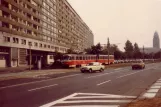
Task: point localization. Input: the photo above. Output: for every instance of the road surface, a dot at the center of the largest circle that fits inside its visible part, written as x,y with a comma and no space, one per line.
111,88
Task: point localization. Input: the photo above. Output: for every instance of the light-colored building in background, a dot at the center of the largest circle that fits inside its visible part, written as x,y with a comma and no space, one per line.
156,41
42,26
156,45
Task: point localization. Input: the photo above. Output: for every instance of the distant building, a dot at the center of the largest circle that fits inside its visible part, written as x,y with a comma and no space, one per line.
156,41
156,45
149,50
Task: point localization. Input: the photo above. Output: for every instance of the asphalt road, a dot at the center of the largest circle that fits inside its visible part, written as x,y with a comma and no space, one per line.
112,88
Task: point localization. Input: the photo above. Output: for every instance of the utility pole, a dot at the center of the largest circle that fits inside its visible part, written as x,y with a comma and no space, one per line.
108,46
143,52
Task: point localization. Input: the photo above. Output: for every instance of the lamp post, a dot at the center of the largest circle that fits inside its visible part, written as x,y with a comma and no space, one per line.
30,55
143,52
108,48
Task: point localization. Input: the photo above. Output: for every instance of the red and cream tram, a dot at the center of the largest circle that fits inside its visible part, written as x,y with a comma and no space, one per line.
73,60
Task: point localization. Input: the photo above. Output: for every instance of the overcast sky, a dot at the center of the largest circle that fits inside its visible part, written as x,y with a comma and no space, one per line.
136,20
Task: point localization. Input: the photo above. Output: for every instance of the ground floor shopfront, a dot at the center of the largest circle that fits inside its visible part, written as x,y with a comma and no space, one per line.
17,57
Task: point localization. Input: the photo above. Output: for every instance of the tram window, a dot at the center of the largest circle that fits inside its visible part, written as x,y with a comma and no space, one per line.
77,57
106,57
66,57
80,57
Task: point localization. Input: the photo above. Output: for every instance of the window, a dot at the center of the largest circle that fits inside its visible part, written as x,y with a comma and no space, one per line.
23,41
48,46
15,40
40,45
44,45
35,44
6,39
51,57
30,43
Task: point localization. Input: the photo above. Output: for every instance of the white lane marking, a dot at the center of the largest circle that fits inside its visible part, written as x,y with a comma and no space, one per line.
43,87
73,99
103,83
158,84
11,86
153,90
118,69
96,94
96,101
59,101
110,95
157,87
89,97
102,74
149,95
128,75
91,106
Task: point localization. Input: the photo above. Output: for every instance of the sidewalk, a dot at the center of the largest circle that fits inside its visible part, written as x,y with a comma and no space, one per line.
12,69
23,72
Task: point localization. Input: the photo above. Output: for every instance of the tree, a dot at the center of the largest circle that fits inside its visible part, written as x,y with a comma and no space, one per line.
113,48
137,53
157,55
88,50
129,49
118,54
96,49
58,56
70,51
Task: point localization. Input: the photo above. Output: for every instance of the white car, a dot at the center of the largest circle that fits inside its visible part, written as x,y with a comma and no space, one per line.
93,66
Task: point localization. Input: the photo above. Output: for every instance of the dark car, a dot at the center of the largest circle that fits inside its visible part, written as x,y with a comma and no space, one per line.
138,65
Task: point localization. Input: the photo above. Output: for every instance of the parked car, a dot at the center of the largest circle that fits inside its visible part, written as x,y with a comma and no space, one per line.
116,62
92,67
138,64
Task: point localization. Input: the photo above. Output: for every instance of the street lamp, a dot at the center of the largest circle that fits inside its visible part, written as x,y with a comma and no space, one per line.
30,44
143,52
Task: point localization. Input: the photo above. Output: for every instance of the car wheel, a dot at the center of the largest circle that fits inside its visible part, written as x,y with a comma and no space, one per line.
101,70
133,68
90,71
82,71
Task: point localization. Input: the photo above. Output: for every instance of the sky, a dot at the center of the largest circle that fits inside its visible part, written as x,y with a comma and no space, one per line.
121,20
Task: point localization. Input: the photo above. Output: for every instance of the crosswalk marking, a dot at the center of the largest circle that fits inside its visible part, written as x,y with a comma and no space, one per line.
89,99
97,101
90,106
153,90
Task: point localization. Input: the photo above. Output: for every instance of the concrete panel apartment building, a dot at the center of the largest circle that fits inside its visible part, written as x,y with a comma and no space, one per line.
39,28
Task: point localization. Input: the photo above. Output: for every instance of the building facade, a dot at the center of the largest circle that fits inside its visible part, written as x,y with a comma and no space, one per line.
33,29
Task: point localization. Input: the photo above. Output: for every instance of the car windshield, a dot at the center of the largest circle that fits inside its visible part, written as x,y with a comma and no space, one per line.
90,64
139,61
